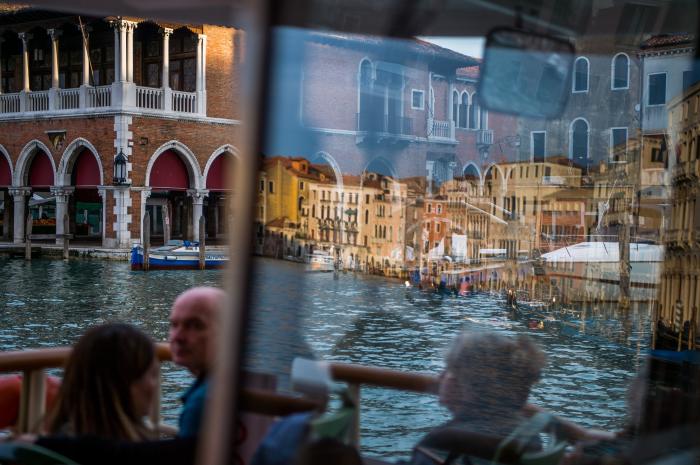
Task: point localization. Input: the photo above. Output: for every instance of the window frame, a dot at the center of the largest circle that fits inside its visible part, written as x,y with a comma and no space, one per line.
532,145
422,99
611,146
613,68
588,76
648,89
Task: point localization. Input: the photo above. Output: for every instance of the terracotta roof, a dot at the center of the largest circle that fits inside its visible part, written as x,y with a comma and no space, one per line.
669,40
471,72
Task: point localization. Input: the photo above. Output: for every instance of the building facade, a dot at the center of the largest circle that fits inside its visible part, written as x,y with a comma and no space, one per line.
78,91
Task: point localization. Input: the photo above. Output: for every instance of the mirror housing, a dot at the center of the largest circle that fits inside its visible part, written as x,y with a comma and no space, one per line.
525,73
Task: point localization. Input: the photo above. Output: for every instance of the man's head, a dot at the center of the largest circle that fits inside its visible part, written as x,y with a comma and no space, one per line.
194,318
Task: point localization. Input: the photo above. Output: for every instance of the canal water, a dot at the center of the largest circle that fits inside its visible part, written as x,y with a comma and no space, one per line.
354,318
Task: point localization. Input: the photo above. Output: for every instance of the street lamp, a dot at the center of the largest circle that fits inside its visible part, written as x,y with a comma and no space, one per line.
120,169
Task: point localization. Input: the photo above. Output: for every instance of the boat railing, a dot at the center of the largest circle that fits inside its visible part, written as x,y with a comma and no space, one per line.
33,364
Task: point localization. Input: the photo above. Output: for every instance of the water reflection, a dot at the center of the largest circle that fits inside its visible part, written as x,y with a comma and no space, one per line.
354,318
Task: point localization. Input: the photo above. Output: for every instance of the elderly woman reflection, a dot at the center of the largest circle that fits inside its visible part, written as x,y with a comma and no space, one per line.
487,380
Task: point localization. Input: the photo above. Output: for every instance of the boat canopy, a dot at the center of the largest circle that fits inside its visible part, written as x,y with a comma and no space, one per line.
605,252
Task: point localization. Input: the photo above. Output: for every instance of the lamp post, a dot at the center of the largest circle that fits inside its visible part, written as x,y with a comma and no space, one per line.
120,169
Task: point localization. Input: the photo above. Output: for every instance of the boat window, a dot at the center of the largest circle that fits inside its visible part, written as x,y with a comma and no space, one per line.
417,291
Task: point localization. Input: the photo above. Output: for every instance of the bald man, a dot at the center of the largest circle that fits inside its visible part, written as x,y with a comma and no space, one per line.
194,319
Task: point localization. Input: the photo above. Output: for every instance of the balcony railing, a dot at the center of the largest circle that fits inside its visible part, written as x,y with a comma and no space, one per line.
104,97
441,130
184,102
484,137
100,96
68,99
9,103
150,98
38,101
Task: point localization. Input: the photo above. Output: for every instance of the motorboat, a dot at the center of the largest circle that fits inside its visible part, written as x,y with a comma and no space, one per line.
320,260
177,255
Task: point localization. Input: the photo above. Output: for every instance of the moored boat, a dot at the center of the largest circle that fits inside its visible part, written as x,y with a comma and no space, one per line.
320,260
182,255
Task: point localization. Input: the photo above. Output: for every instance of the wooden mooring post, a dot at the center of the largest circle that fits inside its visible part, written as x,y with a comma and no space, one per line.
202,245
28,238
66,236
146,239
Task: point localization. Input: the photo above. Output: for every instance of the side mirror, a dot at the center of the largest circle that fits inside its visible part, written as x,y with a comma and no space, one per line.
525,73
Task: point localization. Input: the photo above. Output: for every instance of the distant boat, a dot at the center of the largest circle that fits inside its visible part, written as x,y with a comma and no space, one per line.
176,255
320,260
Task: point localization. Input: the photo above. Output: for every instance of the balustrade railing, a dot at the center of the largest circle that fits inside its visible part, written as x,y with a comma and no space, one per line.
68,99
184,102
149,98
441,129
10,103
484,137
38,101
100,96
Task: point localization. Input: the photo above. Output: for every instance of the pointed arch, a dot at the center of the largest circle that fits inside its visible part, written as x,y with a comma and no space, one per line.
69,157
471,164
224,149
24,160
186,155
463,109
4,154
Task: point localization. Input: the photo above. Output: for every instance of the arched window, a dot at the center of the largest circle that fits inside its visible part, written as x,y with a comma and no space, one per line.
455,107
474,113
580,83
463,107
620,71
579,142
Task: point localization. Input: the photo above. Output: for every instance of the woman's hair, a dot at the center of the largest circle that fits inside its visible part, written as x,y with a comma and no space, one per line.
493,371
95,396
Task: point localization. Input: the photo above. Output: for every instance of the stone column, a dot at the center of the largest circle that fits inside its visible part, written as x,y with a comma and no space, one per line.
102,192
167,92
25,37
54,34
201,85
122,25
166,56
20,197
62,194
197,203
122,203
130,51
117,51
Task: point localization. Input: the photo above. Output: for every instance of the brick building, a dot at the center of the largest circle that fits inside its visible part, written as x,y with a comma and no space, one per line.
76,91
